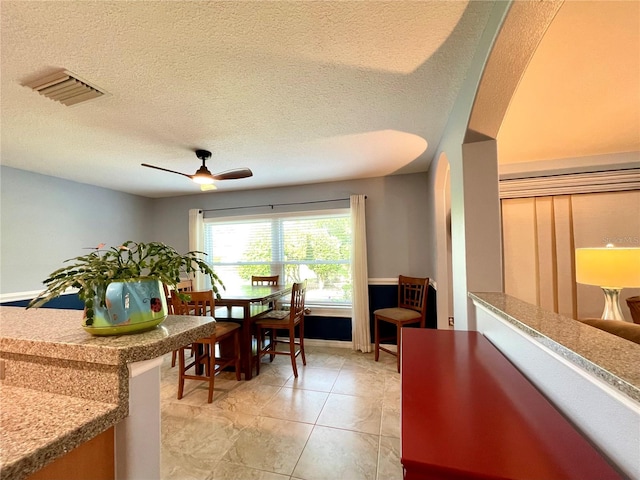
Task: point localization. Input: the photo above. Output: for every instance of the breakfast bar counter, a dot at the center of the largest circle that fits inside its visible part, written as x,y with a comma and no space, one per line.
589,375
62,387
35,433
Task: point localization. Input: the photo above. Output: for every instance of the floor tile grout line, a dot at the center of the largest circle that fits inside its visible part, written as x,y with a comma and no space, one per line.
299,421
350,365
352,395
303,449
253,468
324,426
346,430
378,456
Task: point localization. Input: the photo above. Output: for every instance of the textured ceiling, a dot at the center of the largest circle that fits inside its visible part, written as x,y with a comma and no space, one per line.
300,92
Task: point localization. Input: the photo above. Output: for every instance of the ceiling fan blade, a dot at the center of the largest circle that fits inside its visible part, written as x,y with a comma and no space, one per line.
233,174
166,170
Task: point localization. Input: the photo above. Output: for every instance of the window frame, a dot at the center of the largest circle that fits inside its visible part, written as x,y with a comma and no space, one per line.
342,309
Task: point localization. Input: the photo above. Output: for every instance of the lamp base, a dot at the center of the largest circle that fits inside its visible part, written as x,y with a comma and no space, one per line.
612,305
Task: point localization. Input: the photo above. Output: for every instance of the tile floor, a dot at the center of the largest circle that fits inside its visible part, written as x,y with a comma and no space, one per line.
340,419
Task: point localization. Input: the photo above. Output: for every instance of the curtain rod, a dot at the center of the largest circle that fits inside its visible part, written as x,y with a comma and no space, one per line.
277,204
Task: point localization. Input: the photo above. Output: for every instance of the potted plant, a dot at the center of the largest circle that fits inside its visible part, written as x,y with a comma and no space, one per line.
122,287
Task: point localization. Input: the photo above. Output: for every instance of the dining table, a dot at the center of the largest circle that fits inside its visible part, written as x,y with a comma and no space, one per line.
244,304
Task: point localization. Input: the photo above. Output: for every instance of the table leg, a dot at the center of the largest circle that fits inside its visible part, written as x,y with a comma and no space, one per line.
197,355
247,341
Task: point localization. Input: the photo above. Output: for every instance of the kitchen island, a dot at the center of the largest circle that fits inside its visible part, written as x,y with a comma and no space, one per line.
62,387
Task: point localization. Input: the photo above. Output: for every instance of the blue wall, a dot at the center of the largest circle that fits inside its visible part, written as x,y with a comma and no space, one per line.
380,296
316,327
63,302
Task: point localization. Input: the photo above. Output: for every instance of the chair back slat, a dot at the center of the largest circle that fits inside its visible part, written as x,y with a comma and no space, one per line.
298,292
182,286
185,286
412,293
200,304
265,279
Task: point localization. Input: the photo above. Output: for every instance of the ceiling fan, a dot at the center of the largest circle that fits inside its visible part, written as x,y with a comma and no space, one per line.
203,176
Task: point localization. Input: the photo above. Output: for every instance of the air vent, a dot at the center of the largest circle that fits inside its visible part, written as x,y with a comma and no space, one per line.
66,88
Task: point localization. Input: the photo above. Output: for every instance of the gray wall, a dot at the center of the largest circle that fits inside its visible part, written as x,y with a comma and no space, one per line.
46,220
397,236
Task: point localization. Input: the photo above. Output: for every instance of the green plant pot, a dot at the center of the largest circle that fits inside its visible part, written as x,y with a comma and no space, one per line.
132,306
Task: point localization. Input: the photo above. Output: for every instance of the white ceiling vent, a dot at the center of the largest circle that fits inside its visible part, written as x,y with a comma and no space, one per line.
66,88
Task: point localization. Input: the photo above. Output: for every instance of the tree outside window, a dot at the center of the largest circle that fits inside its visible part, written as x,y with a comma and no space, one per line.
315,248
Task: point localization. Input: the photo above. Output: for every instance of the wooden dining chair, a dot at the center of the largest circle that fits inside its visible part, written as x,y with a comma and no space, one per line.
270,280
203,304
284,320
411,309
183,286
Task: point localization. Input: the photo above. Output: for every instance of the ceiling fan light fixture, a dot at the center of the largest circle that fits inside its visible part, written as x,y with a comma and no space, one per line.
203,176
202,179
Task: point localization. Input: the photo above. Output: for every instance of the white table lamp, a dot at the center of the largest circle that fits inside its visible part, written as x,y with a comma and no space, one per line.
612,269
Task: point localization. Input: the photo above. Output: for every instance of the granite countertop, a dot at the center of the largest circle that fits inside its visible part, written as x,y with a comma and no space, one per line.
52,365
52,333
34,433
612,359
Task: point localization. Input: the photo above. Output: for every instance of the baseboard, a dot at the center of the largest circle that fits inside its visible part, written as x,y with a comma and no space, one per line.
315,342
17,296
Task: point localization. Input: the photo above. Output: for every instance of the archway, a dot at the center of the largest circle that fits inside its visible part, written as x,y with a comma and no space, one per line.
476,244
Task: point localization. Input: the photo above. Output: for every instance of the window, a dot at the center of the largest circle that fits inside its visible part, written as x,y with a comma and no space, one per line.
311,246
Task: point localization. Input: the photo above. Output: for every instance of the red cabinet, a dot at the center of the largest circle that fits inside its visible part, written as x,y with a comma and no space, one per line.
468,413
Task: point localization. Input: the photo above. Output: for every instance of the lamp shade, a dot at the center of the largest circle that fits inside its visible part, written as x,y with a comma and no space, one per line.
608,267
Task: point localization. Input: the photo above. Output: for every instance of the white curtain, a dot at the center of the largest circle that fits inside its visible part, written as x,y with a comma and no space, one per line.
196,242
360,329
